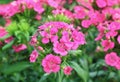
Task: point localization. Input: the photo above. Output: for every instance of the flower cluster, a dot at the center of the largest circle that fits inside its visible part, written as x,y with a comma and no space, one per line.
62,35
105,16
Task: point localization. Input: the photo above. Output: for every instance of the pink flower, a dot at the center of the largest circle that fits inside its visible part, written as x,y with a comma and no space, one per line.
9,39
79,12
12,9
51,63
118,39
53,30
86,23
107,45
54,39
101,3
67,70
20,47
99,37
38,17
112,2
40,48
60,48
38,7
33,40
113,26
78,37
3,32
117,65
33,56
111,34
54,3
45,40
111,59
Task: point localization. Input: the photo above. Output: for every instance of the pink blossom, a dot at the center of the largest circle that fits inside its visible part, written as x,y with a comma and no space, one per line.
38,7
54,3
20,47
107,45
40,48
86,23
8,22
53,30
86,3
9,39
60,48
96,17
33,56
99,36
45,40
12,9
79,12
116,14
33,40
112,2
111,34
117,65
38,17
118,39
54,38
113,26
101,3
3,32
78,37
51,63
67,70
70,1
111,59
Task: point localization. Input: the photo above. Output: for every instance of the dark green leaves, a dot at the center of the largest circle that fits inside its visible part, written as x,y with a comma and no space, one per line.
17,67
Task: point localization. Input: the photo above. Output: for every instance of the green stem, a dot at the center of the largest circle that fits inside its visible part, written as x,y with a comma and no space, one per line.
59,77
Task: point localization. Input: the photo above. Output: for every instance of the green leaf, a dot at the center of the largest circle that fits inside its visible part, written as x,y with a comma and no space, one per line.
23,26
5,1
44,77
8,45
80,71
59,17
75,52
83,63
12,28
2,21
17,67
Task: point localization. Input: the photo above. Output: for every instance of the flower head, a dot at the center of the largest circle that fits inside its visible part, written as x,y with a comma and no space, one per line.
20,47
51,63
33,56
67,70
111,59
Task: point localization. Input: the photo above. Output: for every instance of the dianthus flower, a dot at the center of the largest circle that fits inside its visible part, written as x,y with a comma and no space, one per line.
51,63
3,32
20,47
111,59
67,70
107,45
33,56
